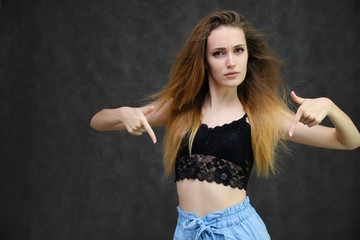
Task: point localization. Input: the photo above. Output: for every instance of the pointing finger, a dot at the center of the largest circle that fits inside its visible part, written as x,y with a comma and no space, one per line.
294,122
149,130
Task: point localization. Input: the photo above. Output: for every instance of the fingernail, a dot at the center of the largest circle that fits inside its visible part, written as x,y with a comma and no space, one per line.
290,133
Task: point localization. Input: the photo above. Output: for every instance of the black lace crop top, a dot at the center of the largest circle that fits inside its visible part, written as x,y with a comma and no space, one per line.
222,154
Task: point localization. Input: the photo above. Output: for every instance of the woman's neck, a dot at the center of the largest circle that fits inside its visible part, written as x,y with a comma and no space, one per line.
221,107
222,97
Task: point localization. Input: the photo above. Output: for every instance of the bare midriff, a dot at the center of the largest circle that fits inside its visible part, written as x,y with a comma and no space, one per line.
202,197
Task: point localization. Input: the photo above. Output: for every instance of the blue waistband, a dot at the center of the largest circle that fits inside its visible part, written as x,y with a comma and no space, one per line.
229,216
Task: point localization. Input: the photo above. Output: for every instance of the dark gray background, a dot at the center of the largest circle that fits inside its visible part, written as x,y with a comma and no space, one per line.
62,61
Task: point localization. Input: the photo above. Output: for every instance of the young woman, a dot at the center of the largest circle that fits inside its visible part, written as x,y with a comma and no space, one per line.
224,109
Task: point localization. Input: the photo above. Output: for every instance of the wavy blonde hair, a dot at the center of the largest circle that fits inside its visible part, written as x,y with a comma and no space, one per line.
262,93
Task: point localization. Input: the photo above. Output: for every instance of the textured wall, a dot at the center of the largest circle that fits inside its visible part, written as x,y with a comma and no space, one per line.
62,61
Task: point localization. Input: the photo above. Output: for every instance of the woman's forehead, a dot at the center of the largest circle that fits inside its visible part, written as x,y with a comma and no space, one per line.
225,36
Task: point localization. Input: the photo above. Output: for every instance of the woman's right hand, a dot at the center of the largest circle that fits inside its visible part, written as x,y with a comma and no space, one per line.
135,122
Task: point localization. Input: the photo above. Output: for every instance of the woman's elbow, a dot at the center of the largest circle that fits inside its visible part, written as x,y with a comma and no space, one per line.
354,145
94,124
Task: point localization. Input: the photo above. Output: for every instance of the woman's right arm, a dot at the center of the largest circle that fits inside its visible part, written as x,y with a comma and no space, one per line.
134,120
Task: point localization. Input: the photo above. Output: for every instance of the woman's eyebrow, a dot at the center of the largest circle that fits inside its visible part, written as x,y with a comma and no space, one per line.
223,48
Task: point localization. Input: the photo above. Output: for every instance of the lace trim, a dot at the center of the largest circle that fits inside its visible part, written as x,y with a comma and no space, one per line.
225,125
210,168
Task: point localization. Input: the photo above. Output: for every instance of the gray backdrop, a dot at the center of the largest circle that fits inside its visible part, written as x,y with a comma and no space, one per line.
62,61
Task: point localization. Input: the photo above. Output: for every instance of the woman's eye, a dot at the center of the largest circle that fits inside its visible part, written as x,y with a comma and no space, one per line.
239,50
217,54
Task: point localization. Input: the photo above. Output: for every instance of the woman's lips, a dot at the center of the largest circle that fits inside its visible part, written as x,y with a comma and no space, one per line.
231,74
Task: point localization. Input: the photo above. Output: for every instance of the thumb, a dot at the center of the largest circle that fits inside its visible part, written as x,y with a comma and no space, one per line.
147,109
297,99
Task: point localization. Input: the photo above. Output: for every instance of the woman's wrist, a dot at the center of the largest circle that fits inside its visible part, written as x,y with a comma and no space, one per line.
119,116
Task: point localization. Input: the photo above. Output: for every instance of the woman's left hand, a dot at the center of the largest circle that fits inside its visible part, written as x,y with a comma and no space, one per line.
310,112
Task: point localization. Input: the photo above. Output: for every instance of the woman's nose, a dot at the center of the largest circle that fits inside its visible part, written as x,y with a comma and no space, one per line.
230,61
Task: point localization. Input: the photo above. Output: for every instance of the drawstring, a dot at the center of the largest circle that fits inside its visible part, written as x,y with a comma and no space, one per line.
204,230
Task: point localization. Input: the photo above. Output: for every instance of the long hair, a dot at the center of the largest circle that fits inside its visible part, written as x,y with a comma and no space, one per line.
261,93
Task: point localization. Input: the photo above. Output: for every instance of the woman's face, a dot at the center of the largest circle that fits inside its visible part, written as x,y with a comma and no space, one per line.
227,56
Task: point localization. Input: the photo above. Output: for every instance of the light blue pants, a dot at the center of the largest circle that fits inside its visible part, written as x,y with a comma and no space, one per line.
237,222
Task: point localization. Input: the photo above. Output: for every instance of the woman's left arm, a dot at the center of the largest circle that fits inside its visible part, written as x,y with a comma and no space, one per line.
310,113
